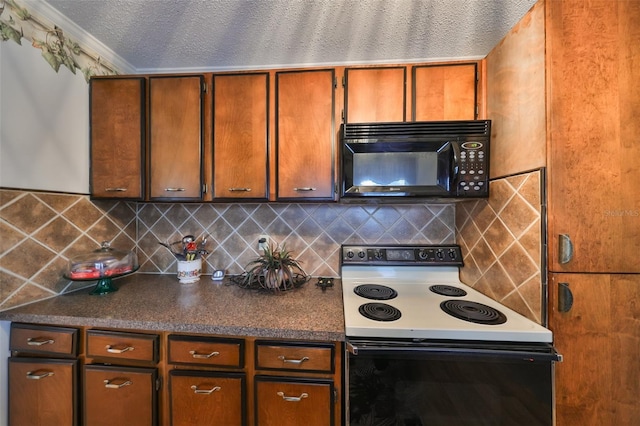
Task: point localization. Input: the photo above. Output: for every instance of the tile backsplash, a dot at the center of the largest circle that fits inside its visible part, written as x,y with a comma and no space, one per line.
41,231
502,240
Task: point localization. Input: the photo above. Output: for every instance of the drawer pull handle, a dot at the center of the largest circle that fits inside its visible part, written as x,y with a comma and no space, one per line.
304,189
205,391
240,189
119,350
204,356
117,383
175,189
40,374
293,398
39,341
115,189
293,361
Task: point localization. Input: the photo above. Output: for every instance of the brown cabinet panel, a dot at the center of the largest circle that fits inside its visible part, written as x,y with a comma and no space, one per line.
120,396
196,396
42,392
60,341
122,345
175,137
293,402
240,135
296,357
305,134
375,94
444,92
117,121
594,156
598,337
210,351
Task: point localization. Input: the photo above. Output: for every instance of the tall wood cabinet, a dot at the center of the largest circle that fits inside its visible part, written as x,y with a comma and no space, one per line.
588,100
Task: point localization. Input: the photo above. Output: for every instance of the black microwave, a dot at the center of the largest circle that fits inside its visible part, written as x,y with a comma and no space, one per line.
421,159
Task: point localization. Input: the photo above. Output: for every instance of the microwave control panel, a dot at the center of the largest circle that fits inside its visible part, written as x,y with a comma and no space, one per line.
473,167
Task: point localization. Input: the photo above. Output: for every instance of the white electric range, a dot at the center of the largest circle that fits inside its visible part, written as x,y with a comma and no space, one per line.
415,292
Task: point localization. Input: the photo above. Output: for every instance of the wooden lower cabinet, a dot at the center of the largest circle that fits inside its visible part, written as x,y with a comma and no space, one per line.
198,397
42,391
120,396
595,319
281,401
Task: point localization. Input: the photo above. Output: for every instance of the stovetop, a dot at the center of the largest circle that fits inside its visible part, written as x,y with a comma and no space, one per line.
414,310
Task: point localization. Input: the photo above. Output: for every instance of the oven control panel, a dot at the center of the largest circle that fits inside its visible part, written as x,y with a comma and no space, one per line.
433,255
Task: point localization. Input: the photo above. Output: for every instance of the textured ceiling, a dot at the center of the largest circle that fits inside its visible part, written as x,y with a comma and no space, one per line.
174,35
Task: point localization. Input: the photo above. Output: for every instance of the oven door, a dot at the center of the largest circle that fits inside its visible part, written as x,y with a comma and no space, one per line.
449,383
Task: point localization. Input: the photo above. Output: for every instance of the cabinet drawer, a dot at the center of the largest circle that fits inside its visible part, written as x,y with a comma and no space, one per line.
120,396
42,391
122,345
42,339
293,402
206,351
292,356
198,395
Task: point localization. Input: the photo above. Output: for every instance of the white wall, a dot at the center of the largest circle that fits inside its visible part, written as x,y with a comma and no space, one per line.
44,123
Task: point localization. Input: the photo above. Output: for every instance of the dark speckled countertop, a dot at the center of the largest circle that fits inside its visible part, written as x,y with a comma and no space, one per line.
160,302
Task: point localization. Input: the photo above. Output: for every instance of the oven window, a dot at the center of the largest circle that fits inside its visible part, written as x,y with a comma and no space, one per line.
436,390
395,168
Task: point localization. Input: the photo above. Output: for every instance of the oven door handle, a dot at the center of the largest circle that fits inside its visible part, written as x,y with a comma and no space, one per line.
525,354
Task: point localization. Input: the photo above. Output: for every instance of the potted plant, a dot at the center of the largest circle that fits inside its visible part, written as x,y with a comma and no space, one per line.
274,270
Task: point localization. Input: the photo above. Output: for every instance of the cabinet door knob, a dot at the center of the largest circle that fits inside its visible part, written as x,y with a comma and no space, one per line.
40,374
205,391
117,383
175,189
293,361
293,398
204,356
565,297
39,341
304,189
240,189
115,189
565,249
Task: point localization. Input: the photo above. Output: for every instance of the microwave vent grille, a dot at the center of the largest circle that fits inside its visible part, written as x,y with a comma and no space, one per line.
417,129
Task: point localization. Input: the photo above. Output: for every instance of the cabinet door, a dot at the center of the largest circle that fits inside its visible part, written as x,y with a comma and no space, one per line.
42,392
117,121
305,135
594,154
175,137
375,94
293,402
444,92
198,395
240,131
120,396
598,336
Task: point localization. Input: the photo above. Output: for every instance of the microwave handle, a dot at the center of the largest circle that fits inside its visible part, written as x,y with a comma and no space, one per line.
456,161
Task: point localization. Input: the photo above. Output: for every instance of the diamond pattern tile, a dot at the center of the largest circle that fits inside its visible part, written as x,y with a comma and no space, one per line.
501,239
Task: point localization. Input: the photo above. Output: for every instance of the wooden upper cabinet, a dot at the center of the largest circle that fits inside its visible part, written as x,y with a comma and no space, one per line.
444,92
305,134
594,154
117,121
240,131
375,94
175,137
